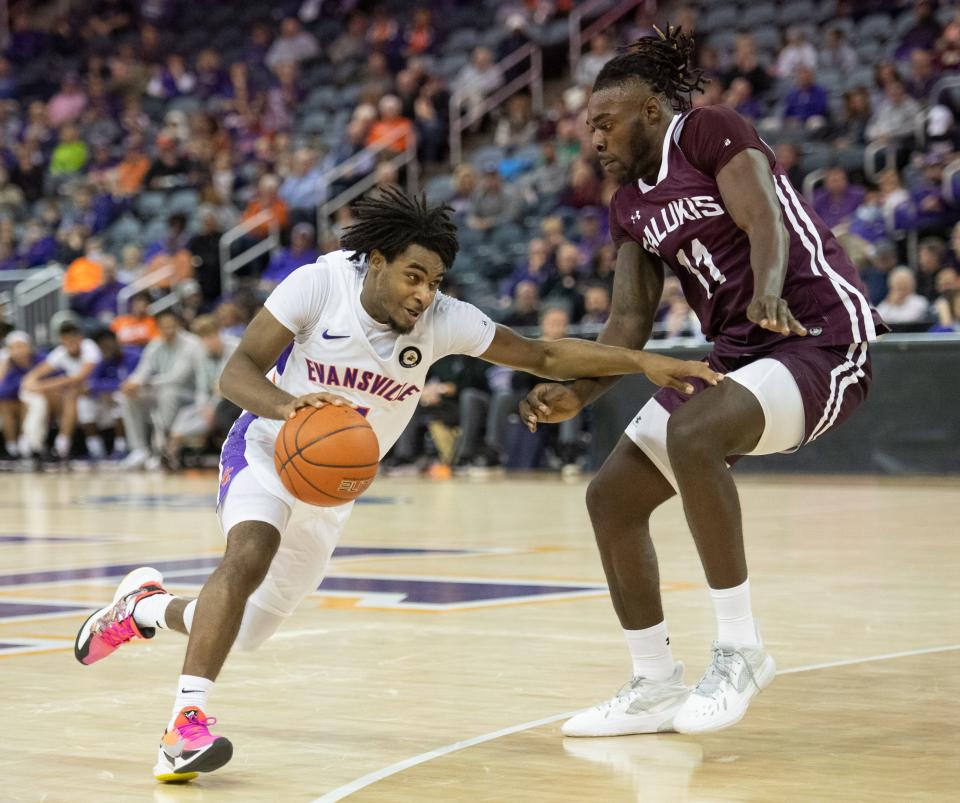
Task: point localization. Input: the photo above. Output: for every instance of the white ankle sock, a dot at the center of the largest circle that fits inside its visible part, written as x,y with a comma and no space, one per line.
95,447
12,449
61,445
188,614
191,691
150,611
735,624
650,651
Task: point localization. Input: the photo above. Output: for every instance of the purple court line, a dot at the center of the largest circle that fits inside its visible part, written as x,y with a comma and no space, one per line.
119,569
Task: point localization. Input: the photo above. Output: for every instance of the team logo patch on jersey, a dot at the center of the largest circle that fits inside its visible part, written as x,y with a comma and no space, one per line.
815,331
410,357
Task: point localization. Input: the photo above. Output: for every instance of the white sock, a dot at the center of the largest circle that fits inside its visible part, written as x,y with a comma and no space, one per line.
61,445
735,623
650,651
150,611
12,448
188,614
95,447
191,691
120,444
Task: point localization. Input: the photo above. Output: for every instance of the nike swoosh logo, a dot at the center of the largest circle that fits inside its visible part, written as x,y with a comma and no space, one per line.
328,336
191,691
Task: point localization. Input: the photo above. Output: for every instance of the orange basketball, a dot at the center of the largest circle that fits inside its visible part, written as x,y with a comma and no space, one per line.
326,456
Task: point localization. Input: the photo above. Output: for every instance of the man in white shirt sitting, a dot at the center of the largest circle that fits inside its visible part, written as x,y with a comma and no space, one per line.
54,385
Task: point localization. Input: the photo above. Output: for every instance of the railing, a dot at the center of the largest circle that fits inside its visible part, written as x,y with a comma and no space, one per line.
583,10
870,171
947,186
461,119
407,157
146,282
37,298
229,265
811,180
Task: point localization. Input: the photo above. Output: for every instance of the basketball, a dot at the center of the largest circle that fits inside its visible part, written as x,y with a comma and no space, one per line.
326,456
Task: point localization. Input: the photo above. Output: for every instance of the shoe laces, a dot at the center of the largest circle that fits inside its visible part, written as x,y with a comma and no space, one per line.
721,670
116,626
196,728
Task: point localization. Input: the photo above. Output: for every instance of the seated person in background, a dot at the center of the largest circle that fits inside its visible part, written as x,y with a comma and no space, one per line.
171,256
903,304
302,251
162,384
198,420
43,392
85,274
493,203
525,310
536,269
948,313
807,104
17,358
838,200
100,408
596,305
137,327
266,200
675,317
591,234
931,256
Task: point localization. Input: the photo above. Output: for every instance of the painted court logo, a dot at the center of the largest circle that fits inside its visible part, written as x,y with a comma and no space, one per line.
410,357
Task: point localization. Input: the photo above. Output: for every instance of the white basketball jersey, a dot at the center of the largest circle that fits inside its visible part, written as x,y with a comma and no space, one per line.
332,351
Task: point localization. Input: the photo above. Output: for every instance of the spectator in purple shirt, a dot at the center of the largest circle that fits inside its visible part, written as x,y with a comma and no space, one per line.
838,199
302,251
807,104
922,75
923,34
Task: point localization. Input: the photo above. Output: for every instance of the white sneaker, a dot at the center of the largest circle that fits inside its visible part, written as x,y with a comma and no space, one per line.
641,706
136,459
735,676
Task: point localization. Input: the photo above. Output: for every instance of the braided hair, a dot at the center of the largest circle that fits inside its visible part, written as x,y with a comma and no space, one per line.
390,221
662,61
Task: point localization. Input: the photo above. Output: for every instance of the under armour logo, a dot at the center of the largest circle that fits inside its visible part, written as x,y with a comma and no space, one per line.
636,217
726,142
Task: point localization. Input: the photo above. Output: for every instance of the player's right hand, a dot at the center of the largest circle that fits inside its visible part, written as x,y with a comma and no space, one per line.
549,403
317,400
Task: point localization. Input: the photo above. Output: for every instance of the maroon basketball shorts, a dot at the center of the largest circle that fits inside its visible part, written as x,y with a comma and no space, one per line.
803,390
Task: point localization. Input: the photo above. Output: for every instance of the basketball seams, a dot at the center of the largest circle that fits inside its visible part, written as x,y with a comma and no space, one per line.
295,467
291,465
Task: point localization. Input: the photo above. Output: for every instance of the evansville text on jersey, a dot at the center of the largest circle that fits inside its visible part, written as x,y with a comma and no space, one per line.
672,216
371,382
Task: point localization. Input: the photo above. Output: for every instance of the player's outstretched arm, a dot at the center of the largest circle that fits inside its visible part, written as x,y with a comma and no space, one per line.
244,380
747,188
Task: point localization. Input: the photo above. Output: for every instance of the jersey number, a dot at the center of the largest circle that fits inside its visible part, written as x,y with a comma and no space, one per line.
364,411
701,260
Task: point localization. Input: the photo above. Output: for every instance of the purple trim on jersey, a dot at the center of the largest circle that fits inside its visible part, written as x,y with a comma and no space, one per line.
833,381
233,456
282,359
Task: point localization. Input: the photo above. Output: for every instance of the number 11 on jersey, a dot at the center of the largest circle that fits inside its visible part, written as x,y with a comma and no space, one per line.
701,259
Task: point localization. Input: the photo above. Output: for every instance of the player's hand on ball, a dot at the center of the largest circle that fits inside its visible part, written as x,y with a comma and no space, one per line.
549,403
773,313
317,400
670,373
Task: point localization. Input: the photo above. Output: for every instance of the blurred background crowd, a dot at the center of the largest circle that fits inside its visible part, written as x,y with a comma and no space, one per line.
165,164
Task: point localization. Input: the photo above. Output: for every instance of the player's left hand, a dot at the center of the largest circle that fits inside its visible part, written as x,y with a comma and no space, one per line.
317,400
671,373
772,313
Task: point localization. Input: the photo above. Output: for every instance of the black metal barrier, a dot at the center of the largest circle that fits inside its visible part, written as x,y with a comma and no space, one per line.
909,424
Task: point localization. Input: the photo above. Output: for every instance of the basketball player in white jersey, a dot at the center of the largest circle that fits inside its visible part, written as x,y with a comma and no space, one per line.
361,327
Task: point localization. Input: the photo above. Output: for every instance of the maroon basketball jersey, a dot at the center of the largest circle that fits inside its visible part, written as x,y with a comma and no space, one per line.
682,220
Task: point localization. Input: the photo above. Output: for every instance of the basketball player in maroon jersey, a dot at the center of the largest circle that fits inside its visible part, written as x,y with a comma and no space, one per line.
789,320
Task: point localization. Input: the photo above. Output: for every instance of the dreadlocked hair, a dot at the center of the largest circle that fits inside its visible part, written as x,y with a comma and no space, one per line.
662,61
390,221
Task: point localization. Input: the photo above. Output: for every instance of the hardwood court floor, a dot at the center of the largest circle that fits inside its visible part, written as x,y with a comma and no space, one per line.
461,615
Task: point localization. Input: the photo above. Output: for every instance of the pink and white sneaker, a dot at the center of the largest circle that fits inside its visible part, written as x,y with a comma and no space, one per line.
108,628
188,748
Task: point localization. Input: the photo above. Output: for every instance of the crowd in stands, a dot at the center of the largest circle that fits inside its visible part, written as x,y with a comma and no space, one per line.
134,134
